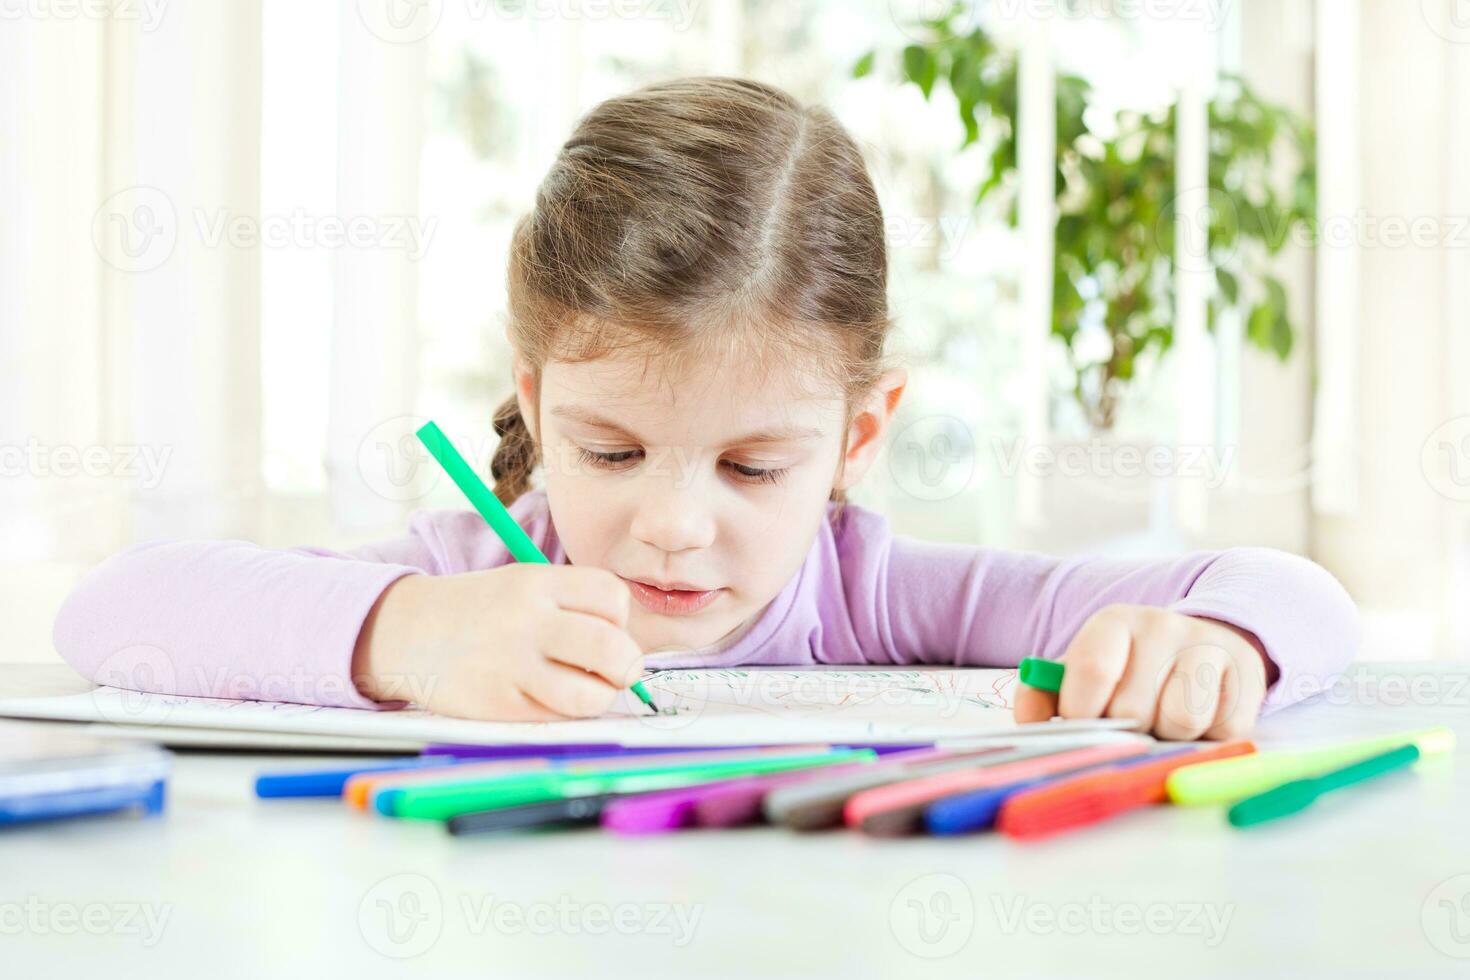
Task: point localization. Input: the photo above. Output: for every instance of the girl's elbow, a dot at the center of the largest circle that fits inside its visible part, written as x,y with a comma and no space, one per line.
92,631
1329,612
75,631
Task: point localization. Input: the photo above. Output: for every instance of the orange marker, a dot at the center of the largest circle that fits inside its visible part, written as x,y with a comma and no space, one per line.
1097,796
359,790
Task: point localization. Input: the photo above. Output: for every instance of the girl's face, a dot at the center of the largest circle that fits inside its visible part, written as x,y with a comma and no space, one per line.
703,491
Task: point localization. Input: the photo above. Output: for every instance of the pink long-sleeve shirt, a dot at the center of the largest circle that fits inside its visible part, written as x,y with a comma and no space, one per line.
232,619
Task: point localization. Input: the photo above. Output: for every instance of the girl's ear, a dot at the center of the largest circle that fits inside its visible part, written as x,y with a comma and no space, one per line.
866,434
526,383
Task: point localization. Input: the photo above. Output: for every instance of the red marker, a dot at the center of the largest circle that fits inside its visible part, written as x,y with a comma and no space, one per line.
1097,796
899,808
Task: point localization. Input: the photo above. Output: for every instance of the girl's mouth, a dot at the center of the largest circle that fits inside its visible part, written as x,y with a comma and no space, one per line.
671,602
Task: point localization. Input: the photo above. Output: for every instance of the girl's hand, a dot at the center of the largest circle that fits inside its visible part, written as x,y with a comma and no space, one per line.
522,642
1182,676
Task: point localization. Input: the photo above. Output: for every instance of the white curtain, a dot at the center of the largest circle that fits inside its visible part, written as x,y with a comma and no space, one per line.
131,239
1394,404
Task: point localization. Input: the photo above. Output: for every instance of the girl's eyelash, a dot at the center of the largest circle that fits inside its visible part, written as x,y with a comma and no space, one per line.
617,459
758,475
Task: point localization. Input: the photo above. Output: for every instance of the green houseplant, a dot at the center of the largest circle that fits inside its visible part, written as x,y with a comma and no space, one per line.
1115,191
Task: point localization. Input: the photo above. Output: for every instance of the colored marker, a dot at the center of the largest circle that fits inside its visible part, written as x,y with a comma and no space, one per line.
440,802
964,813
674,809
559,785
1044,675
1297,795
1091,798
1229,780
817,803
737,802
361,791
574,812
897,809
517,541
567,750
330,782
381,792
521,749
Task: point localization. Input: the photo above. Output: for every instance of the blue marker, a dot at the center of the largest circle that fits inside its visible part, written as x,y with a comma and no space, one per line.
331,782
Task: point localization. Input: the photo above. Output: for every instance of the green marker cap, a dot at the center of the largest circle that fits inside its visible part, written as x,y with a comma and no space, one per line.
1044,675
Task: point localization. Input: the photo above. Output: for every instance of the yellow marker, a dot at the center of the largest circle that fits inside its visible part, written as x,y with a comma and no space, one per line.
1227,780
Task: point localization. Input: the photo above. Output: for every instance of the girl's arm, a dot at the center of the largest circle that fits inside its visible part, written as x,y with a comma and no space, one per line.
231,619
943,603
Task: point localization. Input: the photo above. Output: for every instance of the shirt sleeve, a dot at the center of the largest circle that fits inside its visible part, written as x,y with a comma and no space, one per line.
231,619
930,602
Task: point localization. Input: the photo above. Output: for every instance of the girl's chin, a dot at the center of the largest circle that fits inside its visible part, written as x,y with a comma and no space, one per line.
658,634
659,638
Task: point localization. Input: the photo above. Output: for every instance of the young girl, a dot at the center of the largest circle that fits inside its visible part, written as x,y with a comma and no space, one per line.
698,315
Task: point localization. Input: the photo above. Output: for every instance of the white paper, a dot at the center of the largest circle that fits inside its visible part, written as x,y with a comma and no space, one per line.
700,706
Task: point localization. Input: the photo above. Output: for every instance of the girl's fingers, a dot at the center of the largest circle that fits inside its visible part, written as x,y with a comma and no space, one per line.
594,591
1138,691
1095,659
570,691
1191,695
523,707
587,643
1033,704
1240,700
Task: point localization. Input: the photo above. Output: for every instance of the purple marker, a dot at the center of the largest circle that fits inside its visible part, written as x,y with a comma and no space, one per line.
576,750
567,750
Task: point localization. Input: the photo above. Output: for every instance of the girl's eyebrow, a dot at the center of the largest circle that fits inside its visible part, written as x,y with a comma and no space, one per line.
798,433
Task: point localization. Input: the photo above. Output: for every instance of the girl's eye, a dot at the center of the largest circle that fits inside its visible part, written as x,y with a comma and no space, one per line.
757,475
620,459
607,460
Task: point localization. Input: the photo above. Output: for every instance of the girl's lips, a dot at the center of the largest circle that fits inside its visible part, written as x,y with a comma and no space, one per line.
671,602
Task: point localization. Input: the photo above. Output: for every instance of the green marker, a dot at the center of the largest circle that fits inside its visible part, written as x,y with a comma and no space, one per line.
1227,780
522,548
441,801
1044,675
1289,798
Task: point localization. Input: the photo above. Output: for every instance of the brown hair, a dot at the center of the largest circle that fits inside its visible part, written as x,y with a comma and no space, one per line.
690,216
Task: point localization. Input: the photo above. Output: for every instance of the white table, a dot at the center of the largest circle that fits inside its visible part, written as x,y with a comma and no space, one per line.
1374,882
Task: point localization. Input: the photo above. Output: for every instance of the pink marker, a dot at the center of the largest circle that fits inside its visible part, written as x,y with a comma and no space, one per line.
897,807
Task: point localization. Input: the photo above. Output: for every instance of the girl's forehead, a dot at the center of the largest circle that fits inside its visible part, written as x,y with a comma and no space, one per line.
710,398
687,384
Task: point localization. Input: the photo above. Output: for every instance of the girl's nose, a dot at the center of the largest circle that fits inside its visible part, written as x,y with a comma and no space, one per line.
673,519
